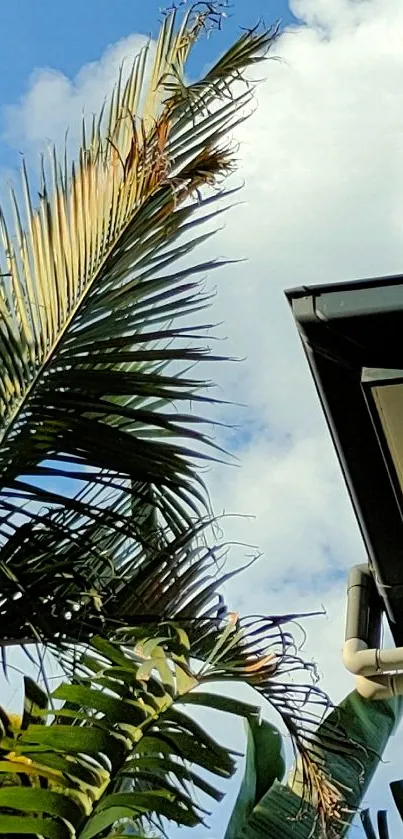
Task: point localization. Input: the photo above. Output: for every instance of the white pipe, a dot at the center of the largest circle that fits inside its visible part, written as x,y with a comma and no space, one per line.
361,661
380,687
379,672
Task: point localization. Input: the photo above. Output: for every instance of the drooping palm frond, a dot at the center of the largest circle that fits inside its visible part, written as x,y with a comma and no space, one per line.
178,578
119,741
117,747
94,356
260,652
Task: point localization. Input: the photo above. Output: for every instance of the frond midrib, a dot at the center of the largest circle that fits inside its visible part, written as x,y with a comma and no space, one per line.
19,410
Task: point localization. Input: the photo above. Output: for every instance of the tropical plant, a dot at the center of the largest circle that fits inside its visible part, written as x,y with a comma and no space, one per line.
117,749
119,755
94,357
108,552
117,722
265,807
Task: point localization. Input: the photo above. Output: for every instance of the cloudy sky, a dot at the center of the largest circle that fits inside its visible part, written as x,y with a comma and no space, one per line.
322,161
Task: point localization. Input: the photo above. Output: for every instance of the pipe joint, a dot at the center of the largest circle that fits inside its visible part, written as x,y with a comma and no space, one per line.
379,671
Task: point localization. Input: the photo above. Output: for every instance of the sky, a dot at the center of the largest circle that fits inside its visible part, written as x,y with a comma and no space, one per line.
322,162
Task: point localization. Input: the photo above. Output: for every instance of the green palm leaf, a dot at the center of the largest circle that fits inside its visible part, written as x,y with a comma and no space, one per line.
116,748
260,652
119,731
264,763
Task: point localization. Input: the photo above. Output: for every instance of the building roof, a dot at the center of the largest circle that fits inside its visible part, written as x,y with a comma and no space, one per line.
345,328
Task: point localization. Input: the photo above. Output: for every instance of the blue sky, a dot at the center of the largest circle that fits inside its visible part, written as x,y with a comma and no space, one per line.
67,35
324,202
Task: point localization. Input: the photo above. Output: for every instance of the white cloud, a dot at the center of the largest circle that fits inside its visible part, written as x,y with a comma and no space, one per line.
323,162
52,102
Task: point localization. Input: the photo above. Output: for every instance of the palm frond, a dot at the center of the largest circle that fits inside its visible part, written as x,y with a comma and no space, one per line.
121,705
104,580
260,652
94,359
116,747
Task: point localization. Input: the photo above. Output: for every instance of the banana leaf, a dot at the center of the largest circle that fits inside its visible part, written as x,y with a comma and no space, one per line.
264,763
363,728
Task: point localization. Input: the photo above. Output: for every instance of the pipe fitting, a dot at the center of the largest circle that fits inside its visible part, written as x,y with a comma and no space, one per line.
380,687
379,672
361,661
358,659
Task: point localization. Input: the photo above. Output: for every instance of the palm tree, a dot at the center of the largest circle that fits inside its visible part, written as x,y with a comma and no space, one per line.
108,552
99,335
117,749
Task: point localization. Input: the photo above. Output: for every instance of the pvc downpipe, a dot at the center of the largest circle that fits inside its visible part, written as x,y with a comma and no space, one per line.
362,654
360,598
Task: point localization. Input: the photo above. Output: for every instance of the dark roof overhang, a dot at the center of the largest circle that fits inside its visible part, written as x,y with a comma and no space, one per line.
344,329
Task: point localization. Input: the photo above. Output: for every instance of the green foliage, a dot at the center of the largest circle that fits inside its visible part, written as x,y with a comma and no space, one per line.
264,764
115,724
117,747
342,774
